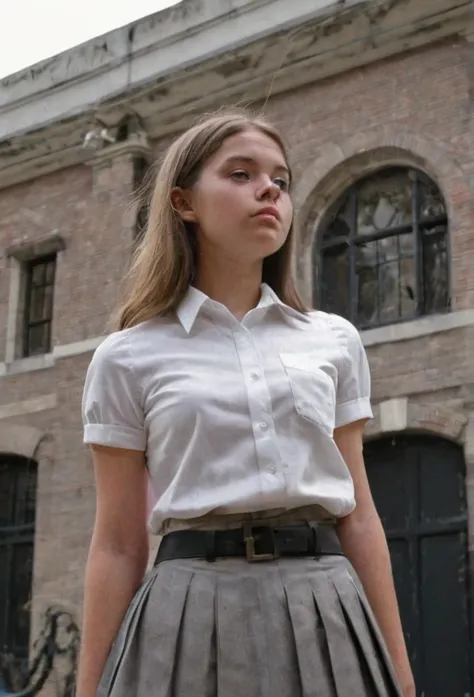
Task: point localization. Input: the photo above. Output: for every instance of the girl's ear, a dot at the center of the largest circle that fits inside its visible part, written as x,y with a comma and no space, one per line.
181,202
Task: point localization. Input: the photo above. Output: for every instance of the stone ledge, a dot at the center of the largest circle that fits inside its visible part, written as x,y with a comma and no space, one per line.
77,347
29,406
370,337
27,365
48,360
425,326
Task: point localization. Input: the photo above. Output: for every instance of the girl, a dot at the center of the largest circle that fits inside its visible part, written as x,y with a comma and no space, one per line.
246,411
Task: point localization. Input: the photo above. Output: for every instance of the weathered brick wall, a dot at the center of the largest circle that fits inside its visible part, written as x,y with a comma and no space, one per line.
91,208
29,212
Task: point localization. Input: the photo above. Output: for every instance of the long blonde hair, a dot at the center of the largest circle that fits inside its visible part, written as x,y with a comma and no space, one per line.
164,263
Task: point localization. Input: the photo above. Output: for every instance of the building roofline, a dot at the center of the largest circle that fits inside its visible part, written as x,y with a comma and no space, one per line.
164,70
150,49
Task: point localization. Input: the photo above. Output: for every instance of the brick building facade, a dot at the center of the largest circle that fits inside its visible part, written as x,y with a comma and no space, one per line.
376,100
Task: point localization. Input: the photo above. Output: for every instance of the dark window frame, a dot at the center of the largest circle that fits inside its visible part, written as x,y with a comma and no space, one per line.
418,227
47,318
18,531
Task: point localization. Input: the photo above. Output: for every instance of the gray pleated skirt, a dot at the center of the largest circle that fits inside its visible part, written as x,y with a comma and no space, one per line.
286,628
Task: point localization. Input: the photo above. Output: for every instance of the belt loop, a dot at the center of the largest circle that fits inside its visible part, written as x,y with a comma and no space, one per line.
315,540
210,545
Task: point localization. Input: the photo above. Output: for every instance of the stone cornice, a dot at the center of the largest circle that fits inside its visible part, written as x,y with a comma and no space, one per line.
24,251
151,49
240,59
135,145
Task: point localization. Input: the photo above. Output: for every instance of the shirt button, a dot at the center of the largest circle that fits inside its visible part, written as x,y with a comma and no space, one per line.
263,426
254,376
272,469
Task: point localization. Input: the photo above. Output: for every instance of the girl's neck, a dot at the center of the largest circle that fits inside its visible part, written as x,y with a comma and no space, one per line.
237,289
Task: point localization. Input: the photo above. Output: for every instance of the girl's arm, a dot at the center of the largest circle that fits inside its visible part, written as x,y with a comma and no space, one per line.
117,557
364,543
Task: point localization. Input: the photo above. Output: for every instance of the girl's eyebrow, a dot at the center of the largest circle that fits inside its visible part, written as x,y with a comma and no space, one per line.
252,161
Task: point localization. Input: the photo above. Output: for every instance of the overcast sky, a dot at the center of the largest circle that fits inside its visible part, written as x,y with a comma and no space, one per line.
31,30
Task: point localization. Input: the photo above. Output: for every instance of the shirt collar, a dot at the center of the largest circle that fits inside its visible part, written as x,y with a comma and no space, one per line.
194,300
189,307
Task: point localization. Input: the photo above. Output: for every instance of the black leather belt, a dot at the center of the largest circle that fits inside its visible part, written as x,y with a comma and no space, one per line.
254,542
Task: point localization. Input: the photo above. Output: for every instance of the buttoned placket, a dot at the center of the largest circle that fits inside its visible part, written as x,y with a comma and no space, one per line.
260,408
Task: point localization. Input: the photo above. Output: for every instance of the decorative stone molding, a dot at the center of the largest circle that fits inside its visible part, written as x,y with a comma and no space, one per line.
31,405
17,256
20,440
336,167
136,145
394,415
26,251
405,414
45,452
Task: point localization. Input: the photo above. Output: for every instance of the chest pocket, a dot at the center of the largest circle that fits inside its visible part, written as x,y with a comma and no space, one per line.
312,387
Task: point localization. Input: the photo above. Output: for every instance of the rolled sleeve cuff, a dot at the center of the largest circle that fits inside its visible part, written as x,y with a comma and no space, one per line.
355,410
115,436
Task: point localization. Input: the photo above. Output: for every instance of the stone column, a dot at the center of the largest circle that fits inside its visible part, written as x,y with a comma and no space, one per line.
105,245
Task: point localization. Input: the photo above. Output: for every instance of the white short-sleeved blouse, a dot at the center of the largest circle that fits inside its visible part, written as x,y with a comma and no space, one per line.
234,416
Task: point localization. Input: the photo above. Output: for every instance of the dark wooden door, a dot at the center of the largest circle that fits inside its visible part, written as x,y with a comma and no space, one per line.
18,477
418,483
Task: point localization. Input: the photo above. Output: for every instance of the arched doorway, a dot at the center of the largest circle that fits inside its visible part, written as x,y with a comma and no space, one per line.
418,483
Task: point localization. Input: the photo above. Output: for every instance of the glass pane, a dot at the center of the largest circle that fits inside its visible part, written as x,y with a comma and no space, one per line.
435,270
431,201
386,280
37,274
408,287
20,596
339,224
48,302
36,313
384,201
335,280
367,286
50,269
26,494
38,339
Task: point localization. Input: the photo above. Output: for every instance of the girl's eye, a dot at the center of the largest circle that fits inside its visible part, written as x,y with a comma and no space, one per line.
240,174
282,183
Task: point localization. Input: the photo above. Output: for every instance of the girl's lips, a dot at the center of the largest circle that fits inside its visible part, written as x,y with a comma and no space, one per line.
268,212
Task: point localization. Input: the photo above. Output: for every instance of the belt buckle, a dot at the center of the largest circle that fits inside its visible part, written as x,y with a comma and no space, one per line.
249,540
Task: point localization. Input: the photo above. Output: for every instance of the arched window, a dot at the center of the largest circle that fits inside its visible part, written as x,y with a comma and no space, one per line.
382,252
18,478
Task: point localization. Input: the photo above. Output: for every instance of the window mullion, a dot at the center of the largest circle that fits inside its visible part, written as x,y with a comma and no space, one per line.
27,310
417,246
